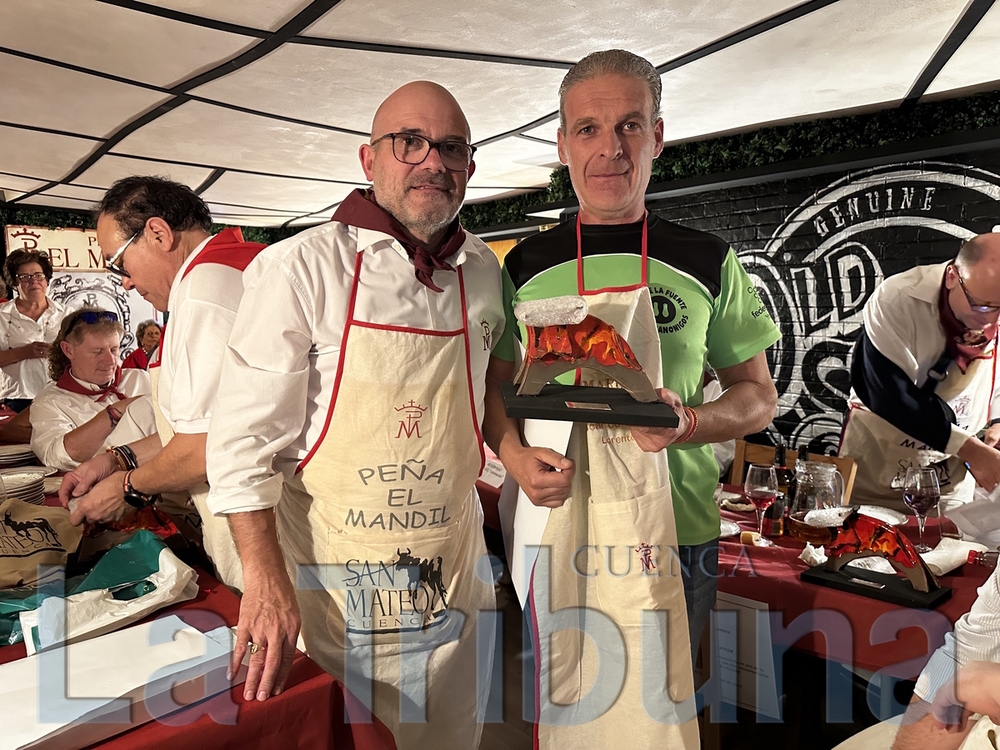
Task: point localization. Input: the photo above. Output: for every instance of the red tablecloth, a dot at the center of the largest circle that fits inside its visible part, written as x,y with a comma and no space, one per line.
309,713
865,632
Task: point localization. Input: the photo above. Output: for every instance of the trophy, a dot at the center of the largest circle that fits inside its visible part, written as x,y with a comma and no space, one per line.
562,336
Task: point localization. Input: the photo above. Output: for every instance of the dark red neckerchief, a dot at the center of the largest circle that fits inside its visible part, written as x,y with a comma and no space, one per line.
359,209
961,342
68,383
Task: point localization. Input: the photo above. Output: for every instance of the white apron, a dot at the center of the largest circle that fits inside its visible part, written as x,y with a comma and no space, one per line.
215,532
883,453
610,551
385,506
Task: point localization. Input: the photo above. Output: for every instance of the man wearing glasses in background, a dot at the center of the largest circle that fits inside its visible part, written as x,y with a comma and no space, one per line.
156,235
348,427
923,377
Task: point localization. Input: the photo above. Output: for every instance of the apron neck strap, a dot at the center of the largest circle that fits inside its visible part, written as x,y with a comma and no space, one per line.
579,256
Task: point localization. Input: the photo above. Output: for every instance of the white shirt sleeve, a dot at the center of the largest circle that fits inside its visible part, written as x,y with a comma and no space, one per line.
5,326
199,330
892,329
49,425
261,405
56,412
976,638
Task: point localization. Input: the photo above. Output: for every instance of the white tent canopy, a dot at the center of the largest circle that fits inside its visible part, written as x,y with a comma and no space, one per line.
260,105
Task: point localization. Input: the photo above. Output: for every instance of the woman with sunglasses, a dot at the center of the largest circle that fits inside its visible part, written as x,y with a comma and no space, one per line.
92,404
28,324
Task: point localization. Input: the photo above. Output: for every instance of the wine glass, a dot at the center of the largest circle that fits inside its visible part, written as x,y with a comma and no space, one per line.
921,493
761,489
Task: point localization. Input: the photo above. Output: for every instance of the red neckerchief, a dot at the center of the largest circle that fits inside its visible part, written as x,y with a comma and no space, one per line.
227,248
359,209
68,383
961,342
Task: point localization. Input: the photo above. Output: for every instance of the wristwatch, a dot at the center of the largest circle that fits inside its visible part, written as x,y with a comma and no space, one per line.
133,497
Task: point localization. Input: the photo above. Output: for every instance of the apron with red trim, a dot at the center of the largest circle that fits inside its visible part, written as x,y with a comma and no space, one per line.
383,510
883,452
612,652
227,248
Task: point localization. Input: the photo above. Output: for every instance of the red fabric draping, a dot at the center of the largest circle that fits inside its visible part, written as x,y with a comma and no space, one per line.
308,714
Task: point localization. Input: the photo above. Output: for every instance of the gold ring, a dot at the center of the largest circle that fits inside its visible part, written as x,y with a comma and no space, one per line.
254,647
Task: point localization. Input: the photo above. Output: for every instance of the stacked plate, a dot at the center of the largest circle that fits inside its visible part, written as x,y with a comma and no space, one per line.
25,484
16,455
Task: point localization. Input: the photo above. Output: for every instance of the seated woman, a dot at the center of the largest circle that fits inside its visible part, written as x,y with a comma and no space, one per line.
148,337
92,404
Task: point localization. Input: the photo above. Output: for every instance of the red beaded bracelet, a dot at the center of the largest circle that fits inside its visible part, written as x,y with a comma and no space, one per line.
692,428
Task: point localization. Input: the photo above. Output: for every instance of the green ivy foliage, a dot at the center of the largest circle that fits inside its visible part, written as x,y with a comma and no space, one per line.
774,145
758,148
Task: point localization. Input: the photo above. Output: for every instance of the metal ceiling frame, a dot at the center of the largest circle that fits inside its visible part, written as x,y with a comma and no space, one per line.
291,32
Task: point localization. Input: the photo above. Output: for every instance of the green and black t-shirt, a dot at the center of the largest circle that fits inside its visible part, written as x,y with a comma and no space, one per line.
707,312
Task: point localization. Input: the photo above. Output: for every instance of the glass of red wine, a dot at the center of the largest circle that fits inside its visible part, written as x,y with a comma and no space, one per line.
921,493
761,489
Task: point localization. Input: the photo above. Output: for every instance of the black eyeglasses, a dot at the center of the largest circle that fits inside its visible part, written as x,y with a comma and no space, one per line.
116,263
410,148
974,304
38,276
90,317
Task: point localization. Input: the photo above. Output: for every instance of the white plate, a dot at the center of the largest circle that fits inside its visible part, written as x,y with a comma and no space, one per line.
52,485
15,450
47,471
890,516
23,478
721,494
729,528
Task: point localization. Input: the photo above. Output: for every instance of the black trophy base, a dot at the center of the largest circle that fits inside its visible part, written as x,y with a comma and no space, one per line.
881,586
572,403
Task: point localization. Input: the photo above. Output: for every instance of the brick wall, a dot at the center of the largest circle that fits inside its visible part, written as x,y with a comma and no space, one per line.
816,249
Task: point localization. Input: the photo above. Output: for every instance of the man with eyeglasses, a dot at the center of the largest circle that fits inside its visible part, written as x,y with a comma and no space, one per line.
923,376
348,428
156,235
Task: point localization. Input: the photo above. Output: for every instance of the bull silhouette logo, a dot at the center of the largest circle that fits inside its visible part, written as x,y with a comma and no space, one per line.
23,529
424,571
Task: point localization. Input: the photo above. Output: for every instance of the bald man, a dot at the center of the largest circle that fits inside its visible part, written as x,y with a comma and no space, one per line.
348,428
923,378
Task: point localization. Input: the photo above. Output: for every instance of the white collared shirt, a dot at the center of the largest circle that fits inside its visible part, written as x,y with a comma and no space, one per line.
976,637
283,356
29,376
903,321
56,412
202,307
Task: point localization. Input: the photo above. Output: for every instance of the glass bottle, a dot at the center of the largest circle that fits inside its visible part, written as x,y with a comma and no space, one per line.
774,517
986,559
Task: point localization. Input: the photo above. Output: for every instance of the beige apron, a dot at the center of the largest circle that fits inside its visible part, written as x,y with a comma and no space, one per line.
883,453
215,532
384,508
606,590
